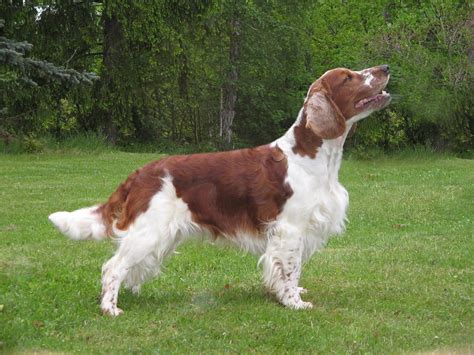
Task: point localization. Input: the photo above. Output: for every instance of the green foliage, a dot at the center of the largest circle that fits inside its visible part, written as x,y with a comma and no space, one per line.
17,66
434,73
33,91
387,130
163,66
83,142
32,144
30,70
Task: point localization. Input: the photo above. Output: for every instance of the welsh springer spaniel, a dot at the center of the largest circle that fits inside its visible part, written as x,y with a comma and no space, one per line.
280,201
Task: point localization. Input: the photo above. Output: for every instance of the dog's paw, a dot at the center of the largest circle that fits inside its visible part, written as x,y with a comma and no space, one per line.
296,303
304,305
111,310
300,305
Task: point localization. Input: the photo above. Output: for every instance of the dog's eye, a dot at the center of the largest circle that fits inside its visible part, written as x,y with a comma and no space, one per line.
348,78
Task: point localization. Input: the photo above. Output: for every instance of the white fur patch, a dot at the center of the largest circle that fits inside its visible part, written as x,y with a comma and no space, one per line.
319,202
81,224
248,243
368,78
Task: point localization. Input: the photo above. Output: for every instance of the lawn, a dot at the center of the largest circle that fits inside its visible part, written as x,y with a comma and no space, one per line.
401,279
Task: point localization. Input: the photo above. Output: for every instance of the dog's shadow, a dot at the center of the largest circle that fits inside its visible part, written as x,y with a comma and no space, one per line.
198,299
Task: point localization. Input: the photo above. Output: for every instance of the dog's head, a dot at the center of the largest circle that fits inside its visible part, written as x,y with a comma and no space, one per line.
342,95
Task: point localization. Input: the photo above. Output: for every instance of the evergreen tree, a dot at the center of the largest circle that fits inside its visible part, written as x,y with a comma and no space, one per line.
16,65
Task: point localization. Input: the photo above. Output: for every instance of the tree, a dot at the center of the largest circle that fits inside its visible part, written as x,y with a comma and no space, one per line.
21,72
229,88
223,74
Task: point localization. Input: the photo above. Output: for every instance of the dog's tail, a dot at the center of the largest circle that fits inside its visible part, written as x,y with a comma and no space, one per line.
82,224
96,222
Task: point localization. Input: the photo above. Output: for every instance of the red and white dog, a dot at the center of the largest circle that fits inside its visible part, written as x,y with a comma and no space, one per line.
280,201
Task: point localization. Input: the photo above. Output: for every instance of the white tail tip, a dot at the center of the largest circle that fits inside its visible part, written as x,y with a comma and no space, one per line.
80,224
60,219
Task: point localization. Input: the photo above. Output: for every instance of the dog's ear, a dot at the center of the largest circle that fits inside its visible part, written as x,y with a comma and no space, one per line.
323,116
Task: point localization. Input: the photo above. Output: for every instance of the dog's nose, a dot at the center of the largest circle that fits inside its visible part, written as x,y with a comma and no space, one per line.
385,68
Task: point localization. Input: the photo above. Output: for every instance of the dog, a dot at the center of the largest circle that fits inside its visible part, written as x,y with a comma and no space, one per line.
281,201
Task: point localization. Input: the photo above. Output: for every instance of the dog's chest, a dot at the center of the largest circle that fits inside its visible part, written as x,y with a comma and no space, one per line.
328,213
318,209
319,202
321,208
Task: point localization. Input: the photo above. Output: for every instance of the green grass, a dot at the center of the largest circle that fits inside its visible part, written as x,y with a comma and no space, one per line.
399,280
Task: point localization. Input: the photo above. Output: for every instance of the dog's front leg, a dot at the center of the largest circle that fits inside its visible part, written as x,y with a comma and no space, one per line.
282,263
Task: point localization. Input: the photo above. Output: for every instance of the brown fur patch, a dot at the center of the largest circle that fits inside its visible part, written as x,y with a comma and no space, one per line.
231,191
306,141
131,198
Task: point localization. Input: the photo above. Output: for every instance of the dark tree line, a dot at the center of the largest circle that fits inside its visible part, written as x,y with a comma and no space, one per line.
224,74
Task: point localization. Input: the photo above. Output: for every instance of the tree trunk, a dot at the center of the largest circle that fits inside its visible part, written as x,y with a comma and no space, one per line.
229,89
184,90
112,41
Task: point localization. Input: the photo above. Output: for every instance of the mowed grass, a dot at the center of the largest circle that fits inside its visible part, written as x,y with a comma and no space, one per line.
399,280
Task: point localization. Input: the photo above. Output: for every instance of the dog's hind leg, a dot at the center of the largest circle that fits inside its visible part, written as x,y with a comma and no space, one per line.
138,258
143,247
112,274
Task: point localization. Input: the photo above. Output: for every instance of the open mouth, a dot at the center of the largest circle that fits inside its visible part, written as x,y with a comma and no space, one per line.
380,100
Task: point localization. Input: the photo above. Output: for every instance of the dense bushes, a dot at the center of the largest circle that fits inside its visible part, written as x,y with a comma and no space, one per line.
167,68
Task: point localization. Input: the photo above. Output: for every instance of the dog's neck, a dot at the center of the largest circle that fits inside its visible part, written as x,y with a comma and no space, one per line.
326,158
